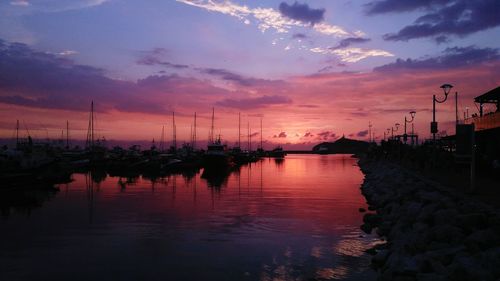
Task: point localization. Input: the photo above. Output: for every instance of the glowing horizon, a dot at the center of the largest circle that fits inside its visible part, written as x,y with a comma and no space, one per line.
310,71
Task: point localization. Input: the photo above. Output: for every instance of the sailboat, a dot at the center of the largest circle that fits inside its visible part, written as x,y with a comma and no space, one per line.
278,152
95,147
260,150
215,157
238,155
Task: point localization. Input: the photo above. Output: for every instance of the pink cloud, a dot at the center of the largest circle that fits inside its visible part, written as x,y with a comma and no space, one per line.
50,89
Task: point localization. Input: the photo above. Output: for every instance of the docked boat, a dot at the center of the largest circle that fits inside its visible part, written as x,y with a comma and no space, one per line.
278,152
216,157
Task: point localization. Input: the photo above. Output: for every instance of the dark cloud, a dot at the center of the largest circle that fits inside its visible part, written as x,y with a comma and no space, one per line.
154,61
280,135
326,135
37,79
259,102
308,135
302,12
228,76
362,133
238,79
450,58
442,39
349,41
299,36
254,134
459,17
326,69
395,6
155,57
359,113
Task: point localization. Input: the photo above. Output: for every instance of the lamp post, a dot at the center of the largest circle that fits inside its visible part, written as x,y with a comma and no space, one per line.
434,126
392,130
412,114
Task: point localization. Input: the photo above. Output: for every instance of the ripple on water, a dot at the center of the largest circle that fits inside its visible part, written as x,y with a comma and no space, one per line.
298,220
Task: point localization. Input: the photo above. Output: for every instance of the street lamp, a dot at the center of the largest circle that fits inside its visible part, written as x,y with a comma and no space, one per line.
386,133
412,114
434,126
392,130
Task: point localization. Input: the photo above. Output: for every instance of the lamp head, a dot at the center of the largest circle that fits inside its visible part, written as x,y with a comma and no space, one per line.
446,88
397,125
412,113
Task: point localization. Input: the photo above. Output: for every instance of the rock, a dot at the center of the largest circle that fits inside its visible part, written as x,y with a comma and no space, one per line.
482,240
427,212
429,196
372,219
408,266
433,233
447,233
444,216
384,228
371,251
472,221
430,277
404,277
490,259
420,227
467,268
413,209
367,228
494,223
380,258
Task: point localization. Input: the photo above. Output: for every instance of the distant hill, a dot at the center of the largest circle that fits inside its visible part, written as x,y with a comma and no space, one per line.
342,145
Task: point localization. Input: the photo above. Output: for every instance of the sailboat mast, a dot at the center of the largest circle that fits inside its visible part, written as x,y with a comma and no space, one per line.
92,123
370,131
17,133
261,134
250,140
212,128
174,131
67,134
248,131
239,129
194,132
162,139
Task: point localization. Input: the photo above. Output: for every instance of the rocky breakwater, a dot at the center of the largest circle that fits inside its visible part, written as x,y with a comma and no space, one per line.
431,233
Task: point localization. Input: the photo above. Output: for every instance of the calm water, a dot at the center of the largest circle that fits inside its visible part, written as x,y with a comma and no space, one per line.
296,219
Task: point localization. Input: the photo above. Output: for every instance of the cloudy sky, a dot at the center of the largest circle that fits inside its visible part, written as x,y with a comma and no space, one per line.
313,70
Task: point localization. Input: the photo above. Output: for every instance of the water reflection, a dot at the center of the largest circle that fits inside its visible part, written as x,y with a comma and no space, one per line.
295,219
217,178
24,201
279,161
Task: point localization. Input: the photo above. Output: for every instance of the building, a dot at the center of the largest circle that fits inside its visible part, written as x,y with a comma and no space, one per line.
487,128
489,120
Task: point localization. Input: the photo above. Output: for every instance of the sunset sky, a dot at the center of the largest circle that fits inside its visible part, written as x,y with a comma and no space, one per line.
313,70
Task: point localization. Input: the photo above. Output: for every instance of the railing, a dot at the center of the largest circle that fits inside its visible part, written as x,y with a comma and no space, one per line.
488,121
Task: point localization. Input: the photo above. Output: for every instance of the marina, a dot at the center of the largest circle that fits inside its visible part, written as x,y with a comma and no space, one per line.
250,140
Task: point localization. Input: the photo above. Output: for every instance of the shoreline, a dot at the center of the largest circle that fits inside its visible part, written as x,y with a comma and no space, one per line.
431,232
